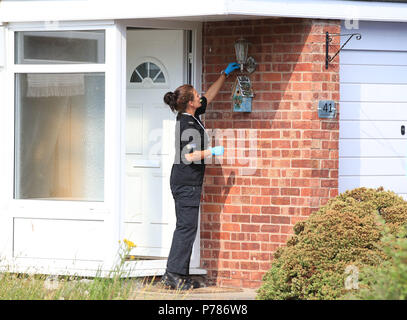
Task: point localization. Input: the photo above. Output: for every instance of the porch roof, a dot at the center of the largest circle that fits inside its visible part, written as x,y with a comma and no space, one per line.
199,11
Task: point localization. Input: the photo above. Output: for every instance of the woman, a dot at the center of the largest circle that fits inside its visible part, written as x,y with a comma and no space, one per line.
187,174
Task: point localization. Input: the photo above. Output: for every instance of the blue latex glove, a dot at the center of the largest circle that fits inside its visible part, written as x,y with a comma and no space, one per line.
231,67
217,151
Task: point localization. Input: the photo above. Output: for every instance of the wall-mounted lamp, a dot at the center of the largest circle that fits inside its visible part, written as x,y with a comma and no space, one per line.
242,49
242,91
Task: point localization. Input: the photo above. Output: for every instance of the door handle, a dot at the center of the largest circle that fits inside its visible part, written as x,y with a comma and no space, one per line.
403,130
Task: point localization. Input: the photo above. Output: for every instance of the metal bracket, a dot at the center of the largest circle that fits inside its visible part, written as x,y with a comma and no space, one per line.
328,39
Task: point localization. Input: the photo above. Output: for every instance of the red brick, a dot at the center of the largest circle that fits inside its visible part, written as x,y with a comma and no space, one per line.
264,237
241,255
260,200
301,163
270,210
280,220
280,201
272,76
331,183
270,191
290,191
270,228
251,209
240,218
232,209
250,246
260,219
250,228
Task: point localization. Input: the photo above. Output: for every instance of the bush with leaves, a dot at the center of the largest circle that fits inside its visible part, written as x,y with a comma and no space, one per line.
347,231
388,281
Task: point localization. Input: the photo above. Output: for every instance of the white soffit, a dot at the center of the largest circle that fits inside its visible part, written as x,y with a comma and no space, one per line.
194,10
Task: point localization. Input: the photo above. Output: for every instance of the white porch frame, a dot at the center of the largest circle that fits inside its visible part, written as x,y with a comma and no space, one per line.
107,212
110,212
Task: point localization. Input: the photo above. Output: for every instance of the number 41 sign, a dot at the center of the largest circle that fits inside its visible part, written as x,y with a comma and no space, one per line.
326,109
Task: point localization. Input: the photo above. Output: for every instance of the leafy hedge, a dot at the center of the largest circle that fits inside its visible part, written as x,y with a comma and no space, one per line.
348,231
389,280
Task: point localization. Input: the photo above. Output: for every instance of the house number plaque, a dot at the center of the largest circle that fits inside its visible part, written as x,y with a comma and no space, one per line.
326,109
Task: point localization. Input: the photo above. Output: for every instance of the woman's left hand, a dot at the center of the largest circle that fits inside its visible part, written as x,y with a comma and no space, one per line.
217,151
231,67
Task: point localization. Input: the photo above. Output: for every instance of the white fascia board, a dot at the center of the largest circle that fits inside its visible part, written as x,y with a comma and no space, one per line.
74,10
85,10
320,9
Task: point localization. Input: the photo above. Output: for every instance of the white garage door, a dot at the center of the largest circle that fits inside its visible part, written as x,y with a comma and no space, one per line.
373,108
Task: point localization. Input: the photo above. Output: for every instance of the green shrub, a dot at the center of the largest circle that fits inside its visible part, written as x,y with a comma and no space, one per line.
348,231
389,280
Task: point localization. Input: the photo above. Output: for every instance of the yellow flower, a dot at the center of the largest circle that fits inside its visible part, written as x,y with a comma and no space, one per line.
130,245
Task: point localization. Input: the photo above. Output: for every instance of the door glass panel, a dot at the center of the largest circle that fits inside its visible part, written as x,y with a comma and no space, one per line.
160,78
154,70
45,47
60,136
148,70
142,70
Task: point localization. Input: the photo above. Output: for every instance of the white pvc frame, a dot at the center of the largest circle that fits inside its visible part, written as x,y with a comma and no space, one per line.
111,210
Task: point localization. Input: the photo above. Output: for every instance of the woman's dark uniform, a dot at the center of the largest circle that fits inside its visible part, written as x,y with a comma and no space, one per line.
186,186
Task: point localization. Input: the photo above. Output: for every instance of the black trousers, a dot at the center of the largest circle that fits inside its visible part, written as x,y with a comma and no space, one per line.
187,200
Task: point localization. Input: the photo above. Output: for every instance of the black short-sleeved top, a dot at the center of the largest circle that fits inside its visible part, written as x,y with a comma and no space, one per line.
190,136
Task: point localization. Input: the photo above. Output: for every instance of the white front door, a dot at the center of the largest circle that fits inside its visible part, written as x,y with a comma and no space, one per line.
155,63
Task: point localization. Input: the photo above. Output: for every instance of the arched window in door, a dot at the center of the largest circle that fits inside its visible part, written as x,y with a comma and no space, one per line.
148,71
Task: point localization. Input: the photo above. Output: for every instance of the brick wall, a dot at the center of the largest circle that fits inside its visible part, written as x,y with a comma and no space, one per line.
281,160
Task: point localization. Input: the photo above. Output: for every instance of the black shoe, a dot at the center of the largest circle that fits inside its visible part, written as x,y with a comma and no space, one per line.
176,281
195,284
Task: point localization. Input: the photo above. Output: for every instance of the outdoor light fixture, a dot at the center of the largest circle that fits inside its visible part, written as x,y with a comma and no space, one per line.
242,91
242,49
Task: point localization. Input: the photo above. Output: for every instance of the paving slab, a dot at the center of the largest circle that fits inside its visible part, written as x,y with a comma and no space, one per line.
208,293
155,291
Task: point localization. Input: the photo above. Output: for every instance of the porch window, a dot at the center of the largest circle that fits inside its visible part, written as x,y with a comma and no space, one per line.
59,151
63,47
59,133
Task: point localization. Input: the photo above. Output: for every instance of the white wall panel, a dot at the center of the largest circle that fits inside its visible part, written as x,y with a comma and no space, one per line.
386,36
373,167
372,148
374,92
373,84
372,129
373,110
58,239
373,74
396,184
376,57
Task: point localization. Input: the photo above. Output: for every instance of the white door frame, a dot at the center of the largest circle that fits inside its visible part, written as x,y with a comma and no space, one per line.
157,267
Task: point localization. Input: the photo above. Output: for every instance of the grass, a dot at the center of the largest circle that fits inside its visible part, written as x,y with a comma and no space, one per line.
43,287
116,286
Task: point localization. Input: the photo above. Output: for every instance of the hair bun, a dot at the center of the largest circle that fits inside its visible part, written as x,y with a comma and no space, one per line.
170,99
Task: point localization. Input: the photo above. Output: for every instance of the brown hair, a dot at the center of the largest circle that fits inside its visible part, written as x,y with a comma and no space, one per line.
179,99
